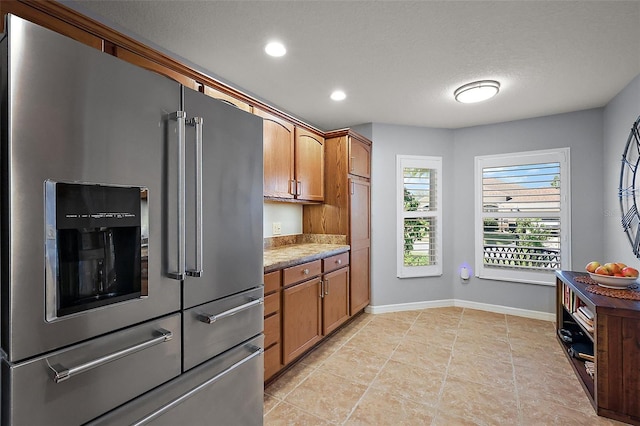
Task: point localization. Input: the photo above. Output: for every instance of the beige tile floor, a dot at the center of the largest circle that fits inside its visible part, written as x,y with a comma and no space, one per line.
442,366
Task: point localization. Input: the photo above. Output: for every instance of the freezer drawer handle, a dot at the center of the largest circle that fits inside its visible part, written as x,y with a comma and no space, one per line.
198,122
257,351
60,373
210,319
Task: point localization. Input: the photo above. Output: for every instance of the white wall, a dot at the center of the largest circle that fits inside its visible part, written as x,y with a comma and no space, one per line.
580,131
619,115
388,141
288,214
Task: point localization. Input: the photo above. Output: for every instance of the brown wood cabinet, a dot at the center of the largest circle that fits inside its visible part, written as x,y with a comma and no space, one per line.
309,165
615,388
272,324
301,310
335,292
293,160
315,302
347,206
359,158
360,240
278,140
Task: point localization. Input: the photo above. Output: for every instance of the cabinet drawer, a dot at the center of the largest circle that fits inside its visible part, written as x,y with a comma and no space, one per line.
272,363
302,272
271,330
271,282
271,304
335,262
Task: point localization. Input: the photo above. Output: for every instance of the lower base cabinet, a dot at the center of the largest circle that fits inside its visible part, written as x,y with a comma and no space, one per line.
359,296
336,288
302,315
315,307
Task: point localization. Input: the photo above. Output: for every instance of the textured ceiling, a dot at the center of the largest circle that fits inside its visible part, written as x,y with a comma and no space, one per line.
398,61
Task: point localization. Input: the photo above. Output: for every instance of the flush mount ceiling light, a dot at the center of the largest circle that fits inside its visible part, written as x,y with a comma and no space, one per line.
338,95
275,48
477,91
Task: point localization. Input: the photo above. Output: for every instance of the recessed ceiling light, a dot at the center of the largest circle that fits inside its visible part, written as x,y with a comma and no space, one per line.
275,48
338,95
477,91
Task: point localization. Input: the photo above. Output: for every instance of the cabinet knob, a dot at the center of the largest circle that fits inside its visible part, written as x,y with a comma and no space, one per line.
339,261
305,271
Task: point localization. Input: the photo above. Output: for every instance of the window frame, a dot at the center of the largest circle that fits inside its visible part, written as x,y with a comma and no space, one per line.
425,162
556,155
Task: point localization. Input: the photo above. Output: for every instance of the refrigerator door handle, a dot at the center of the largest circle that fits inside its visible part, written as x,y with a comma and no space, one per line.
198,122
210,319
60,373
180,117
256,351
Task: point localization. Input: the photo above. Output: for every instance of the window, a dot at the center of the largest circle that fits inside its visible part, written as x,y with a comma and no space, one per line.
419,201
522,216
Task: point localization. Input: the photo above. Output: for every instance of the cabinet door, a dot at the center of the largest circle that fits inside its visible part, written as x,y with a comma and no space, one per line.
278,139
360,240
359,158
359,208
335,303
301,318
360,283
309,165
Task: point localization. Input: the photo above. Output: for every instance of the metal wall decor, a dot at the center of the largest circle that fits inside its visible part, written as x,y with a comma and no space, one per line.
627,188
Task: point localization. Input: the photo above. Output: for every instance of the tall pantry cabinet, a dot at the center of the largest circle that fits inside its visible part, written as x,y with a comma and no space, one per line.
347,206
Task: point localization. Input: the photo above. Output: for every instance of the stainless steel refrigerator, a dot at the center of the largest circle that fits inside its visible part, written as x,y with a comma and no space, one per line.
130,243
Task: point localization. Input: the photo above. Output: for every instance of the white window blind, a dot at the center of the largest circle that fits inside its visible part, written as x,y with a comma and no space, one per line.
419,229
522,215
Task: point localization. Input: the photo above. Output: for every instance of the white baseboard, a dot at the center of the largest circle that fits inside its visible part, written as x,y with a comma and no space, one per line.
381,309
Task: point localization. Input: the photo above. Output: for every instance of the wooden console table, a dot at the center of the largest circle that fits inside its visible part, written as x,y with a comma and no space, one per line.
614,389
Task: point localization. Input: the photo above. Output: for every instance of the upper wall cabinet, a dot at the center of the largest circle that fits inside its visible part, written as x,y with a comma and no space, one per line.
293,161
309,166
359,158
215,93
278,140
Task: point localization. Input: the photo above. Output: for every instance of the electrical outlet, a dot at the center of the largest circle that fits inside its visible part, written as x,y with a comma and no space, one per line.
277,228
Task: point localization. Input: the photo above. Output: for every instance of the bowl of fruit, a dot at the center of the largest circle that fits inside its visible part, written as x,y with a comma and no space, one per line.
612,274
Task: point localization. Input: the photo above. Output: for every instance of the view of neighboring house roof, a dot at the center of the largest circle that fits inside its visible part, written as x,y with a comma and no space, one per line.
510,195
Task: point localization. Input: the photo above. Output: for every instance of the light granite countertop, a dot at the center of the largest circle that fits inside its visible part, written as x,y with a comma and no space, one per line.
300,249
